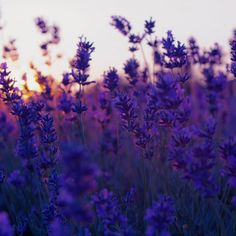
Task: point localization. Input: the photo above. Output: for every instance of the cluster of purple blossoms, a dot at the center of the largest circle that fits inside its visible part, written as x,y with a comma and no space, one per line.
80,67
10,51
52,31
228,151
91,158
127,111
111,79
175,56
196,162
109,214
160,216
6,128
131,70
121,24
215,86
65,103
81,61
9,93
149,26
79,180
233,55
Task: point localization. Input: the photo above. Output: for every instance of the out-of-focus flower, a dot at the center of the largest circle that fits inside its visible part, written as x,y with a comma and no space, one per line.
109,213
16,179
2,176
121,24
52,31
58,228
200,170
48,131
22,223
127,111
228,154
42,25
111,79
79,180
160,216
10,51
79,107
6,126
215,86
66,79
26,147
131,70
5,227
65,102
233,54
149,26
194,50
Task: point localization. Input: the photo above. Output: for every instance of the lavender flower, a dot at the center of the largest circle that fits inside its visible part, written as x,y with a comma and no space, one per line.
170,92
160,216
65,102
79,181
51,188
52,31
16,179
149,26
22,223
233,55
127,111
57,228
111,79
42,25
215,86
66,79
228,150
83,56
200,170
26,148
6,126
135,39
215,54
5,227
9,93
79,107
109,213
48,131
131,70
48,213
194,50
175,56
79,72
10,51
121,24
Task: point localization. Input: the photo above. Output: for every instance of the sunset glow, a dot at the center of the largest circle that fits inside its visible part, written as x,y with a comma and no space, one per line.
203,19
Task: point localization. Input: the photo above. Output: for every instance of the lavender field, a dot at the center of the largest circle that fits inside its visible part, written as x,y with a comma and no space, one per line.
148,149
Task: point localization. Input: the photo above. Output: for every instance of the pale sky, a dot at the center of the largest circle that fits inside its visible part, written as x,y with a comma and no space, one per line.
208,20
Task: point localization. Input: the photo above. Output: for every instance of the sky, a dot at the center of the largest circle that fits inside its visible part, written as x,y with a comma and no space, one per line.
208,20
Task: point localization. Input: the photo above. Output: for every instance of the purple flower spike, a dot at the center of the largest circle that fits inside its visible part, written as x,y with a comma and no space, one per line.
121,24
160,216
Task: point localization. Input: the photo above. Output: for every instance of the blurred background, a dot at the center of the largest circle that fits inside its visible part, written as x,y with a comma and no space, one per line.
208,21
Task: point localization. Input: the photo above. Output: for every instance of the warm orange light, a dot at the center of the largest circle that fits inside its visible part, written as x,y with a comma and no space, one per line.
18,71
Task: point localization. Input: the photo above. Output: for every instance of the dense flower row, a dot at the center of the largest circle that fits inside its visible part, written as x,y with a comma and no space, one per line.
147,151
